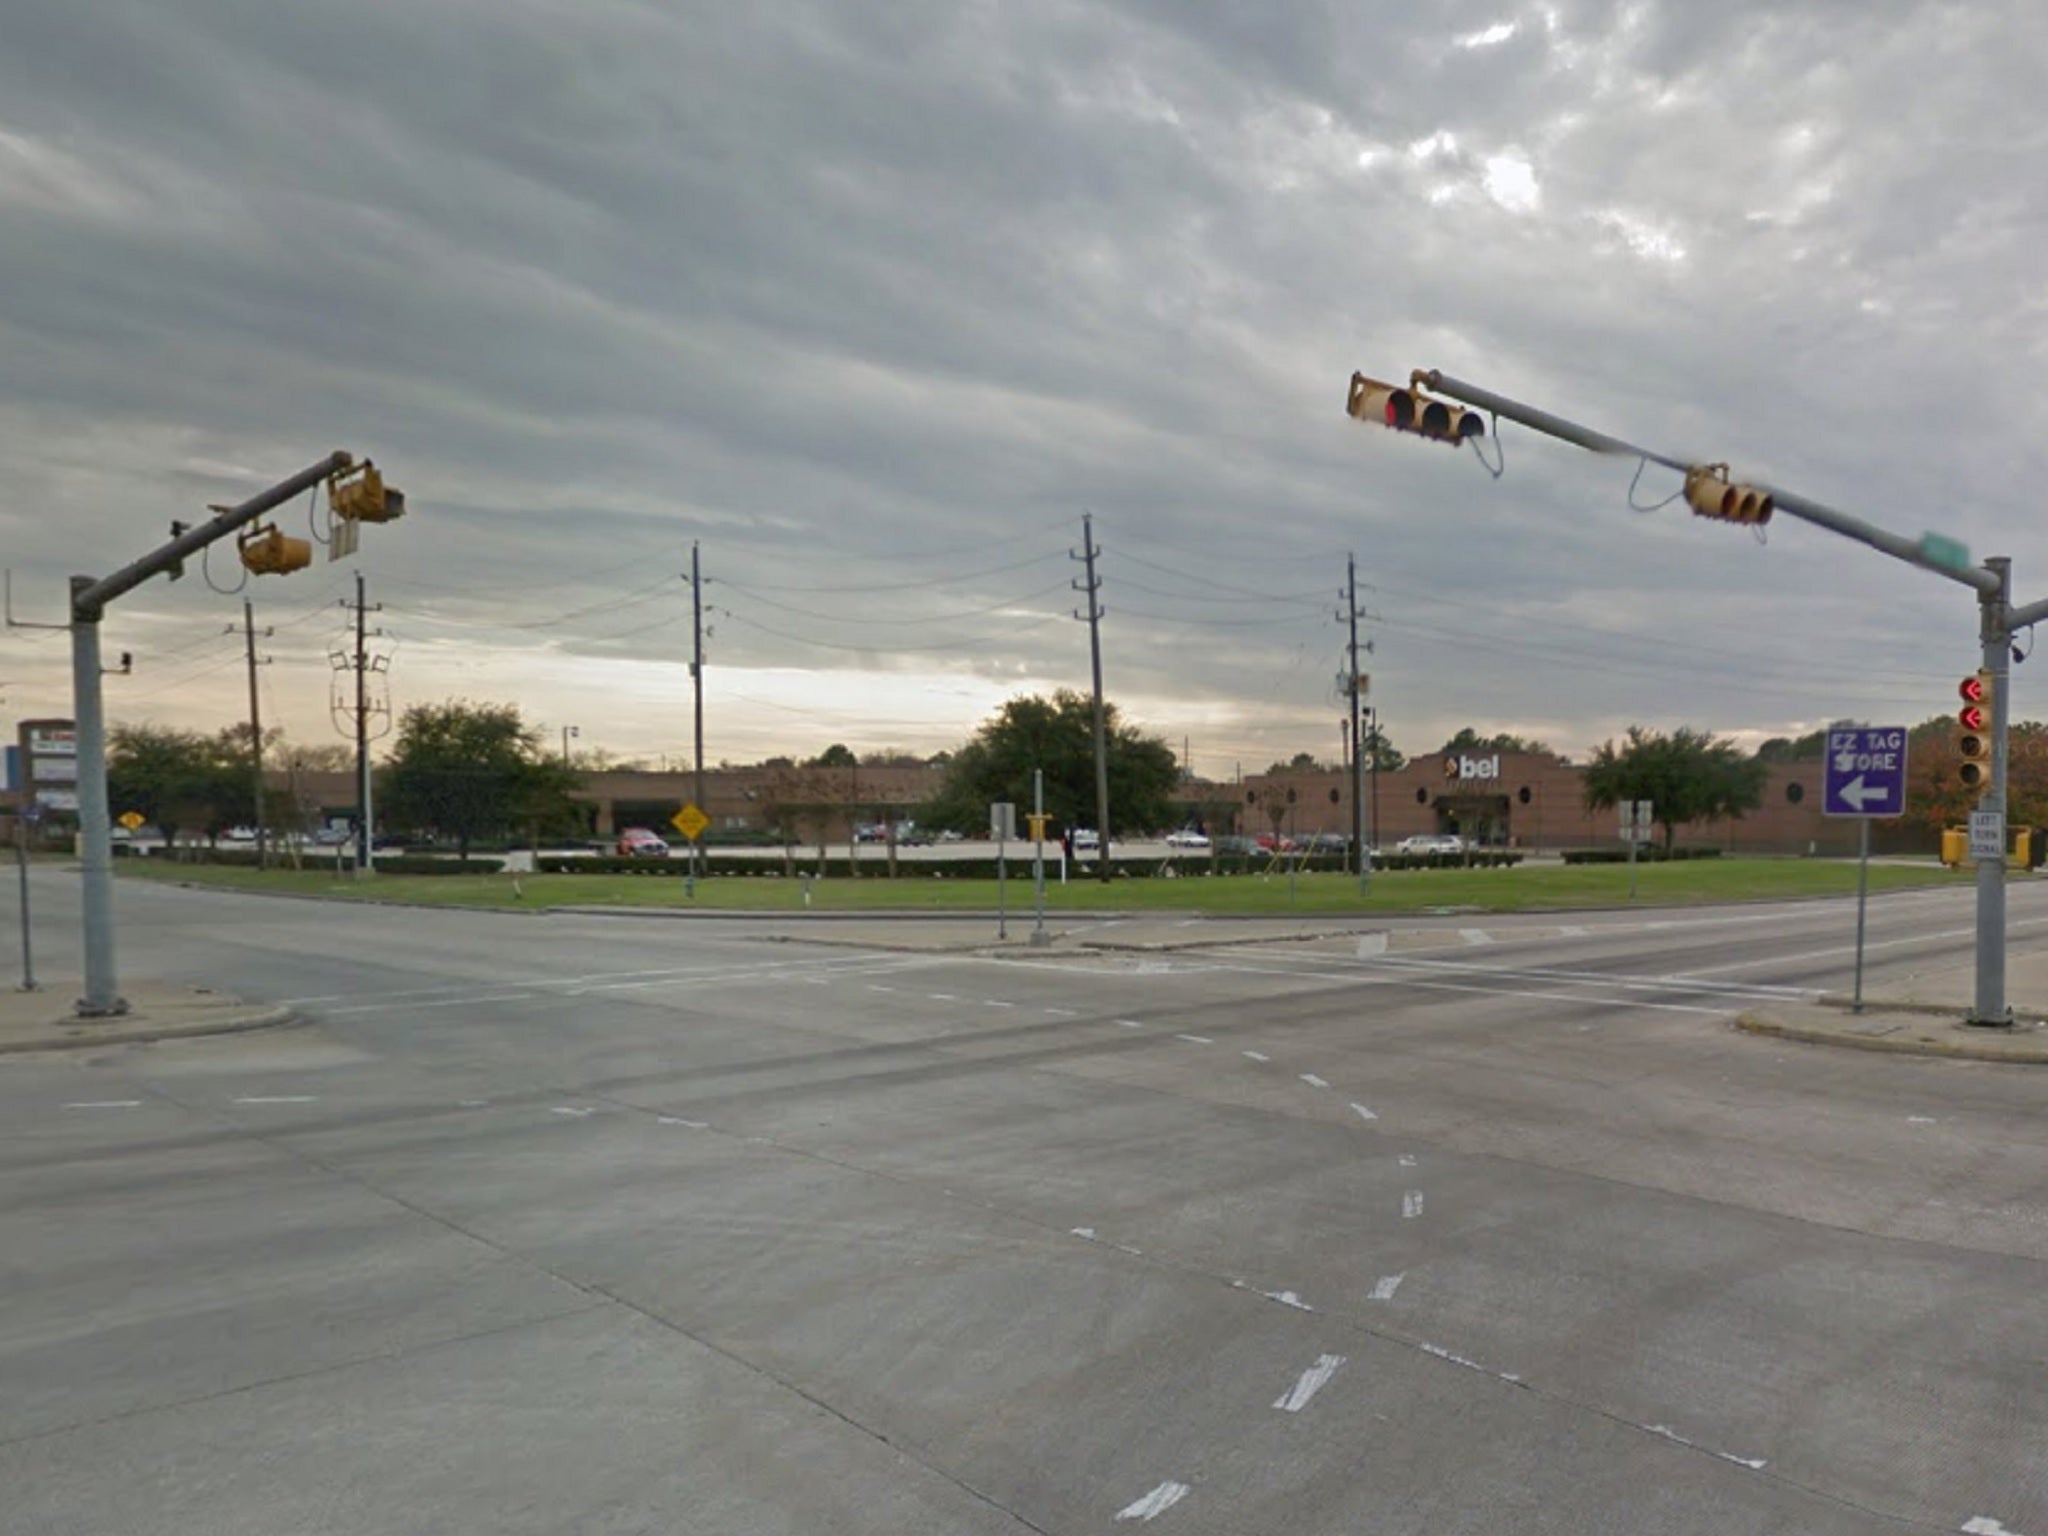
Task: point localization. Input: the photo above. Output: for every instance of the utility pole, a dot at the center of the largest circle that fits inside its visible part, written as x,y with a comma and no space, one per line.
1092,587
256,733
1352,688
697,684
362,665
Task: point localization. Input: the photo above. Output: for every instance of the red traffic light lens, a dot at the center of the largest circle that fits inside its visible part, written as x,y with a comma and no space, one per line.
1972,717
1971,690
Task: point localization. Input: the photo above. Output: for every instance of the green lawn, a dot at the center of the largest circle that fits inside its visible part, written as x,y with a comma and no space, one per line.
1524,889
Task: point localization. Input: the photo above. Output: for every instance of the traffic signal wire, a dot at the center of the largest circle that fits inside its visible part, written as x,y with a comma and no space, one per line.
933,618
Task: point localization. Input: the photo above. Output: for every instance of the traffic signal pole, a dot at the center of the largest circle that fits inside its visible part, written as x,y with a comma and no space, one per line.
1995,628
89,599
1992,582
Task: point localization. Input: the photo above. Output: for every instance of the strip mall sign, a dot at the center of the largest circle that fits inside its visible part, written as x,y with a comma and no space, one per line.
1471,769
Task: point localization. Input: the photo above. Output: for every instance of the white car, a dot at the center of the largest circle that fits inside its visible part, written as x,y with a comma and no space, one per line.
1431,842
1086,840
1187,837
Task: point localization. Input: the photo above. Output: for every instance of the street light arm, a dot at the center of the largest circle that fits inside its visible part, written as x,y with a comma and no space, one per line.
88,600
1801,507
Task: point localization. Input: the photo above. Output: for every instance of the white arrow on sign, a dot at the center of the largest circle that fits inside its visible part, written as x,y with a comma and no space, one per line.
1856,793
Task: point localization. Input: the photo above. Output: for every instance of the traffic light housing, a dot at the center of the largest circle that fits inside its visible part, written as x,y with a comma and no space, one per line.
1709,493
360,495
267,551
1410,410
1974,743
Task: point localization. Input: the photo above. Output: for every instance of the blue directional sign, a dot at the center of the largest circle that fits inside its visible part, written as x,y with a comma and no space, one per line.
1866,771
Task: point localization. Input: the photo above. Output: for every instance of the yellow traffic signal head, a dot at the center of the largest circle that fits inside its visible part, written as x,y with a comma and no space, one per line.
360,495
1710,494
268,551
1410,410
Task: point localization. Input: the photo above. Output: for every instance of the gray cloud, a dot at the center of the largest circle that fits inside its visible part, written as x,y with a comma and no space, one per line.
873,299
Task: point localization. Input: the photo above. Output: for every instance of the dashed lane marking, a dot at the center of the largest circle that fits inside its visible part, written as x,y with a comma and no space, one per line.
1313,1081
1155,1503
1312,1381
1255,1056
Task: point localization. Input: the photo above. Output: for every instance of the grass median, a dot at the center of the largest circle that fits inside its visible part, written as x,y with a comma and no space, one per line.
1539,888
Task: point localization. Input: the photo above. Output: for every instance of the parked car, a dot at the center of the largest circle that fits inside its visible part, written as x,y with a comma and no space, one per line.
640,843
1187,837
1272,842
1431,842
1086,840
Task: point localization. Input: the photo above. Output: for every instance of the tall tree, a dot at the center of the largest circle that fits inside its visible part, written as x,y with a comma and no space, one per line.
165,776
1058,736
1792,749
838,755
469,771
1686,776
1469,740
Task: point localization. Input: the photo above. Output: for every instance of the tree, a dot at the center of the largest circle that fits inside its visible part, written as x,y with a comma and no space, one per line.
1686,776
470,771
1058,735
1301,762
1792,749
838,755
162,775
1469,740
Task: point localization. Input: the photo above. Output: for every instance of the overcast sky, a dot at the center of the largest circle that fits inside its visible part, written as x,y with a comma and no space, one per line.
875,298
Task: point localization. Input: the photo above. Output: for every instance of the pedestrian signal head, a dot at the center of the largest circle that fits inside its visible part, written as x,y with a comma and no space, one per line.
1410,410
1708,491
269,552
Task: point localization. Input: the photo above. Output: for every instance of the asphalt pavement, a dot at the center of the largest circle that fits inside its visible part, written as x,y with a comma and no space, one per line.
582,1223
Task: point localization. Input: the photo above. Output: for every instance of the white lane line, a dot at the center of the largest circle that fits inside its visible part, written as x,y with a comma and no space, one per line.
695,1125
1155,1503
1195,1039
1675,981
1754,1463
1475,936
1255,1056
1473,1365
1384,1288
567,1109
942,997
873,988
448,1002
280,1098
1312,1381
1985,1525
1313,1081
474,1104
1130,1024
1850,949
1411,1205
996,1002
1086,1233
688,972
1370,944
1363,1113
1288,1299
1407,1159
1062,1013
1389,977
1919,1119
106,1104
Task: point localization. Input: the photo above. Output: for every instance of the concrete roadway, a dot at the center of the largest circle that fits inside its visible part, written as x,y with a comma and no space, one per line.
552,1224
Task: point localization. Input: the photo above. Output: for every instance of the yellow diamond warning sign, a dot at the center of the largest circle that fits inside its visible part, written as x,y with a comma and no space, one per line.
690,821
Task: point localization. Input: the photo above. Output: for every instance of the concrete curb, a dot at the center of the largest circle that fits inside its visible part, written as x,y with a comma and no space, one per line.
1897,1045
84,1036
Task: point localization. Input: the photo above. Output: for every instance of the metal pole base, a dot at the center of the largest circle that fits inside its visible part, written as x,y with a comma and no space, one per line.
87,1011
1040,938
1976,1021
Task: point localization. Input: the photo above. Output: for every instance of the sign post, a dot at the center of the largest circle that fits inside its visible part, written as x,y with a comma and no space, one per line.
1002,825
691,822
1038,938
22,819
1637,818
1865,777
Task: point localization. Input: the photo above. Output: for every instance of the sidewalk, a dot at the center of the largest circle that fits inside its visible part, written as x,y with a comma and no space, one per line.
1923,1016
47,1020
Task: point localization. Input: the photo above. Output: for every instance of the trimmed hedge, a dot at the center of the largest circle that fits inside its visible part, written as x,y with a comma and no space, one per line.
1648,855
875,866
390,863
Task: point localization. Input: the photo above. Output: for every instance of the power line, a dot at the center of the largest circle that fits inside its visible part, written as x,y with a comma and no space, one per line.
902,586
932,618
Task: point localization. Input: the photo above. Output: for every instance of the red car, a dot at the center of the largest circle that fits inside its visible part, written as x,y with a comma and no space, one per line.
639,843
